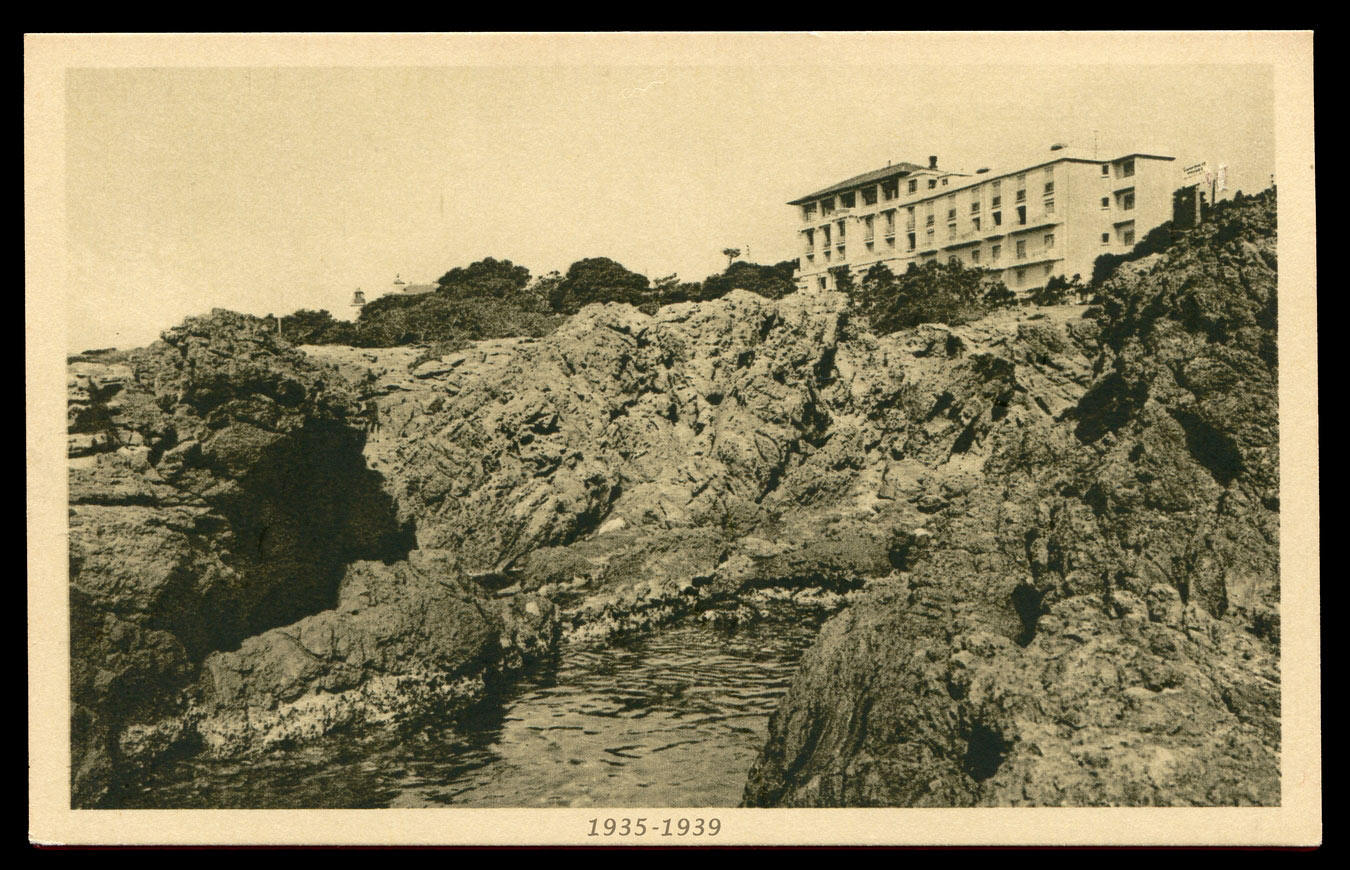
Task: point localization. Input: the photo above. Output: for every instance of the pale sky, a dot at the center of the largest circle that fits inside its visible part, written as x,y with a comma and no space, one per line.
272,189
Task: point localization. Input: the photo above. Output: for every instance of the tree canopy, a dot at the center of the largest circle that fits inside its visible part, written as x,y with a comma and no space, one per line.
931,293
598,279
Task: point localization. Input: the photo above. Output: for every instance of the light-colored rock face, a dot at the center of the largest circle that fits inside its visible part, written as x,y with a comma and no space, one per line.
726,413
1073,534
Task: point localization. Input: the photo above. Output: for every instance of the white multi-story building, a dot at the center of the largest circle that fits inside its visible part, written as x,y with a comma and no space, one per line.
1049,218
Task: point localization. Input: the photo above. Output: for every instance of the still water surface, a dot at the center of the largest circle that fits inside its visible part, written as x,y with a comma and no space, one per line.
673,718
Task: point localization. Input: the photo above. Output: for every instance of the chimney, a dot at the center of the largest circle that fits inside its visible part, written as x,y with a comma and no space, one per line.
932,161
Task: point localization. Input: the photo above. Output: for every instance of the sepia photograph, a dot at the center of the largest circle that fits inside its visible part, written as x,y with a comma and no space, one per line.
724,427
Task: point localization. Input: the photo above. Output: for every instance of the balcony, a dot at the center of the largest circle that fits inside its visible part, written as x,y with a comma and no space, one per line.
1036,256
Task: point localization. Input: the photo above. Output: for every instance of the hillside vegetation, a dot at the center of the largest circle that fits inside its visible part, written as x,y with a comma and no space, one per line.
497,299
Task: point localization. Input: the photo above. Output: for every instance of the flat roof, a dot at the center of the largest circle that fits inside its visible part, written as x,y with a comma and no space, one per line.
900,169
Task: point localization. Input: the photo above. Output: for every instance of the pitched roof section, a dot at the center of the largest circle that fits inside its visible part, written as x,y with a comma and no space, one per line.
895,170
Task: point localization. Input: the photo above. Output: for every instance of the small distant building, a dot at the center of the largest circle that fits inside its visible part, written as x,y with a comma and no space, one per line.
358,299
403,288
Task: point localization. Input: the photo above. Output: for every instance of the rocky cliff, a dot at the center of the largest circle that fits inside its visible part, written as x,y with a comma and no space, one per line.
231,554
1096,622
1060,532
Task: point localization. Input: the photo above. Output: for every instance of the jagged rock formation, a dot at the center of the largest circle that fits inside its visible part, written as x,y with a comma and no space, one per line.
1061,533
218,491
1096,622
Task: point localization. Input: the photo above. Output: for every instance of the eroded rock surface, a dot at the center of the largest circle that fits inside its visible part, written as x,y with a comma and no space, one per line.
1060,534
1097,624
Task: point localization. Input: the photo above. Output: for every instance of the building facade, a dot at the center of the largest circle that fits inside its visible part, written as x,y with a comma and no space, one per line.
1027,225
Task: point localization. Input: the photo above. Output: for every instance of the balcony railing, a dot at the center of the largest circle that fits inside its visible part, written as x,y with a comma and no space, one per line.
1036,255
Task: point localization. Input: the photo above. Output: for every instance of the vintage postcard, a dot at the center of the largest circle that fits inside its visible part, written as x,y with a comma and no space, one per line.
672,439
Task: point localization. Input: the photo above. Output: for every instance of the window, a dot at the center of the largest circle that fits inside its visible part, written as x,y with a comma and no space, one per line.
996,202
842,227
1106,169
951,214
810,240
825,232
822,283
869,195
890,190
1049,240
1049,206
975,256
808,211
913,185
1022,250
1106,238
1127,169
910,239
975,207
909,218
1129,237
1022,214
890,222
997,186
976,223
995,252
1106,202
932,183
944,181
1049,188
951,231
1021,273
1048,269
890,241
869,228
827,206
1127,201
954,260
998,218
848,200
929,222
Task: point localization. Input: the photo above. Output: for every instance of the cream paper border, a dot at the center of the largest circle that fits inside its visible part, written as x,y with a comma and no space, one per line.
51,821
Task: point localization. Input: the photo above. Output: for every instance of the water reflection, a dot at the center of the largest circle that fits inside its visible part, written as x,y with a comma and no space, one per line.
673,718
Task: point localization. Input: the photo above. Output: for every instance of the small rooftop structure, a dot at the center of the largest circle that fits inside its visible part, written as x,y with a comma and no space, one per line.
403,288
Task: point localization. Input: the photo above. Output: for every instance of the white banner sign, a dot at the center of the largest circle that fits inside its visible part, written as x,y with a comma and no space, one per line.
1196,172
